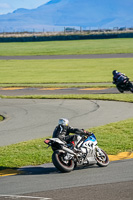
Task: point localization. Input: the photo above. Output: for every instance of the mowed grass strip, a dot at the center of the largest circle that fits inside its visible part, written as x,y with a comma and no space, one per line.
113,138
104,46
5,86
127,97
63,71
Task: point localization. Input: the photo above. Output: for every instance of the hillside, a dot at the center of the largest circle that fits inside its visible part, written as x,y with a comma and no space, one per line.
57,14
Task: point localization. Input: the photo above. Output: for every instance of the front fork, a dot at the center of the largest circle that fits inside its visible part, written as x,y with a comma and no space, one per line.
99,153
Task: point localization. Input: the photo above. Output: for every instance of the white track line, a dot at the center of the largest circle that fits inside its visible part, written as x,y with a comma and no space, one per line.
18,196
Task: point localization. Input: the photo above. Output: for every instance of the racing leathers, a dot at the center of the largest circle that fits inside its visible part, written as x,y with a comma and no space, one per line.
62,132
119,78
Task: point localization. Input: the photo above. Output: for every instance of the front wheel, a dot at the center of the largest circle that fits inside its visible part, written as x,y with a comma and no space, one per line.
60,163
130,86
131,90
120,89
102,158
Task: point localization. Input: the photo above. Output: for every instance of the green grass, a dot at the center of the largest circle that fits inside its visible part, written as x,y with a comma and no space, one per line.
113,138
116,137
63,71
25,153
111,97
1,118
104,46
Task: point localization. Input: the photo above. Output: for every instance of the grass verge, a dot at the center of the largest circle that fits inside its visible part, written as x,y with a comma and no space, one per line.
106,46
113,138
1,118
111,97
63,71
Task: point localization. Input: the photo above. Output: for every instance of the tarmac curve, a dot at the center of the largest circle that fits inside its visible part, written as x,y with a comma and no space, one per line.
83,56
20,91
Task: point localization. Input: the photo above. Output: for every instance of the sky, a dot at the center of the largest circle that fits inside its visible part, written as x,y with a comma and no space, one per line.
7,6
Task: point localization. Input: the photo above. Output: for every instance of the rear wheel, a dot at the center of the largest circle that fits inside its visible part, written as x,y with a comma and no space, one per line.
102,158
60,163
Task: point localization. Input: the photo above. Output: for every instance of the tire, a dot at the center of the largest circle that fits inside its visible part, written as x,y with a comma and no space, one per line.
60,163
102,161
131,90
130,87
120,90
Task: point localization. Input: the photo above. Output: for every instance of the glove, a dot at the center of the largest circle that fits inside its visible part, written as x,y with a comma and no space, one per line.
88,133
85,131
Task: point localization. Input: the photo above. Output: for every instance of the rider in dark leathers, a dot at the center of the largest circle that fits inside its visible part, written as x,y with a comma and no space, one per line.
118,77
63,130
122,82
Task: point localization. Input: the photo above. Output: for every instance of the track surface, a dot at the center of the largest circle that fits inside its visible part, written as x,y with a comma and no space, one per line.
55,91
28,119
86,56
113,182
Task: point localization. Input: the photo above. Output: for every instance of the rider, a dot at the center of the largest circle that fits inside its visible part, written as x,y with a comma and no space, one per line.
118,77
63,130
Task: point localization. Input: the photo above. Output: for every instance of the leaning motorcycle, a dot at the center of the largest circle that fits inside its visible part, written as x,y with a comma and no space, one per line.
65,158
124,85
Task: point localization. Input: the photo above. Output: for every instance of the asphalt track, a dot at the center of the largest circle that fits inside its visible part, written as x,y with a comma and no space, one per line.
28,119
22,91
90,183
86,56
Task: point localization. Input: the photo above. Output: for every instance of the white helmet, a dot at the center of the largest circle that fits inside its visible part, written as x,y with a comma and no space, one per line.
63,122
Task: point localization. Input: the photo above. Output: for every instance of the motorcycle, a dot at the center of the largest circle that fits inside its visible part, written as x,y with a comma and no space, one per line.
124,85
65,158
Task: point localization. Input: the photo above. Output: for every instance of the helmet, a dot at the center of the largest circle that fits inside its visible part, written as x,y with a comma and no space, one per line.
63,122
114,72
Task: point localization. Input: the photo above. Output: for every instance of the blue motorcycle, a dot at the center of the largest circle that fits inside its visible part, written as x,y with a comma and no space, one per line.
65,158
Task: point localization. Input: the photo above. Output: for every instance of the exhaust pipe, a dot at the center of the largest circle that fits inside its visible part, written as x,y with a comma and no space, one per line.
68,150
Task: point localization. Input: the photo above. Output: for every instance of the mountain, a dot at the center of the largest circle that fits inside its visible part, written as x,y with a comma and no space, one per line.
57,14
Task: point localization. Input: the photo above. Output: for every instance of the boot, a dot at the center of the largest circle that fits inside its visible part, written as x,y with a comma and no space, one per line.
74,148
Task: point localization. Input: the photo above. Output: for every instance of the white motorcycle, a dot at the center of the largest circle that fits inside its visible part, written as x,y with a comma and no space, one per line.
65,158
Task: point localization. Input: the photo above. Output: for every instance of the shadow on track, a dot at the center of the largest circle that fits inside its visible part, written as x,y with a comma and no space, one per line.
48,170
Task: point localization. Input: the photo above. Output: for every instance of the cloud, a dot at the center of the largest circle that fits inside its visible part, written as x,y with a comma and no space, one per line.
4,6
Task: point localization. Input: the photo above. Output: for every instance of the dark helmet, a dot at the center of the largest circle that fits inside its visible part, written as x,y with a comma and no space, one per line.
114,72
